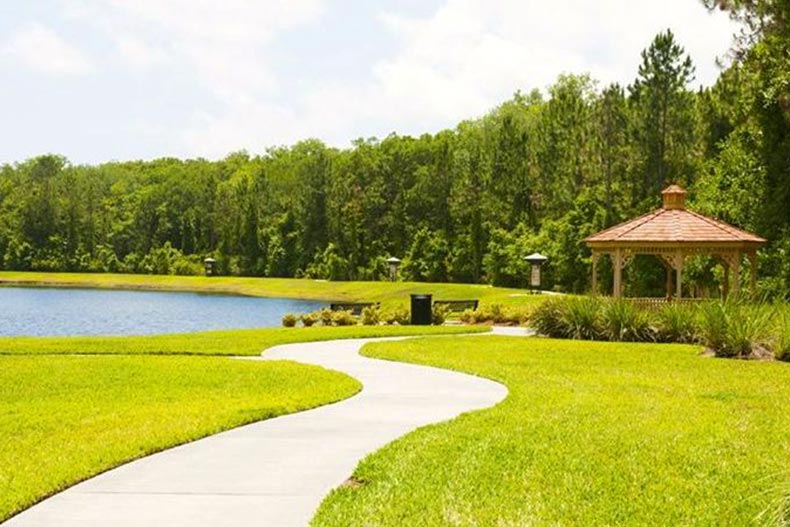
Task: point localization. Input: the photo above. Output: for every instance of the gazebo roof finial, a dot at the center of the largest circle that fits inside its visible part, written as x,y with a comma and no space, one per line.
674,198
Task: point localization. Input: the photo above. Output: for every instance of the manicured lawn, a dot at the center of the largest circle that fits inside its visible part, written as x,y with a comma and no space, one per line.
63,419
225,342
388,293
591,434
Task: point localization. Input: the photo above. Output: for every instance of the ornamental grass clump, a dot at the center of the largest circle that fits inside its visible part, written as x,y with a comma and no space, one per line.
343,318
581,318
495,314
735,329
624,321
546,318
399,316
309,319
439,314
289,320
676,322
370,316
782,338
327,316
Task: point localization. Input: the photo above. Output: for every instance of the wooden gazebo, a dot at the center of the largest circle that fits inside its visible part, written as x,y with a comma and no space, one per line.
673,233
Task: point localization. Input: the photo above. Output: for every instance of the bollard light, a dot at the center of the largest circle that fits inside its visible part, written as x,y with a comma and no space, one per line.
536,261
210,265
393,263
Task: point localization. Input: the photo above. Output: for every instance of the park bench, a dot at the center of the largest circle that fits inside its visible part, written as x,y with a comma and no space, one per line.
355,307
457,306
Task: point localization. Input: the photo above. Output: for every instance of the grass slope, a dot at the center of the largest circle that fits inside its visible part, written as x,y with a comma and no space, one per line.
590,434
388,293
64,419
224,342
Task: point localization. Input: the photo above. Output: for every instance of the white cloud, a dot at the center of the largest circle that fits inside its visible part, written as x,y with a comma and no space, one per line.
470,55
41,49
224,42
139,54
216,76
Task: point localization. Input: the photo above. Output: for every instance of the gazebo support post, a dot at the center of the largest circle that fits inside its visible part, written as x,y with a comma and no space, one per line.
668,269
679,275
726,284
595,257
753,269
736,274
617,261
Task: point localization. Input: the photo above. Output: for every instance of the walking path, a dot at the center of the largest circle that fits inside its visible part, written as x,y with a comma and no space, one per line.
274,472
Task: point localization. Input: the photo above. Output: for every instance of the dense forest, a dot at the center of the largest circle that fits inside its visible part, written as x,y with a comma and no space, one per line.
538,173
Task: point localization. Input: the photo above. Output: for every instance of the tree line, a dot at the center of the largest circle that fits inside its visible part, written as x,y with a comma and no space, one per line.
538,173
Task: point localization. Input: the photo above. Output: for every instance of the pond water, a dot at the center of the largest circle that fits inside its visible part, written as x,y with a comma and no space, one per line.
58,311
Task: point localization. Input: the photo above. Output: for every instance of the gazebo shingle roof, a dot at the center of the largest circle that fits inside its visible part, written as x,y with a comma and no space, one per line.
673,233
674,224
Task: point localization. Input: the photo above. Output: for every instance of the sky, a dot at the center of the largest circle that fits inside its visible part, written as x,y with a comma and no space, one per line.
101,80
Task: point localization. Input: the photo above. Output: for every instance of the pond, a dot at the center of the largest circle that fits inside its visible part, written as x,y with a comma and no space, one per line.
57,311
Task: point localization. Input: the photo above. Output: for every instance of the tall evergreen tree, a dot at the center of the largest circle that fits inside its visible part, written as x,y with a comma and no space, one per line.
664,111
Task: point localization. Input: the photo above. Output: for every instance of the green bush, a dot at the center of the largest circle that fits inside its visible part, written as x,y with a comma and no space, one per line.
624,321
677,322
546,318
327,316
309,319
399,316
439,314
289,320
581,318
495,314
371,316
736,329
468,316
343,318
782,337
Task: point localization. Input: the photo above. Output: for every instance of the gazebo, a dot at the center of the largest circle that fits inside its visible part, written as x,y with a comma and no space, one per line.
673,233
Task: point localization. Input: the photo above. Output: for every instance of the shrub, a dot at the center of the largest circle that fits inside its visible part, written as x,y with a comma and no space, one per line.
309,319
327,316
496,314
734,329
289,320
439,314
546,318
623,321
371,315
468,316
398,316
343,318
782,337
581,318
677,322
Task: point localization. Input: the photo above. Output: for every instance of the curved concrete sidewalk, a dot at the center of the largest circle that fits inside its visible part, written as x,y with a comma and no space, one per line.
274,472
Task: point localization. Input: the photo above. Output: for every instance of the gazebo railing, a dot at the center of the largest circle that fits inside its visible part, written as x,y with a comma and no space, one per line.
660,301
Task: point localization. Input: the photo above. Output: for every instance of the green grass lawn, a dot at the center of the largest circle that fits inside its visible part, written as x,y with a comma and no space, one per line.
591,434
64,419
224,342
388,293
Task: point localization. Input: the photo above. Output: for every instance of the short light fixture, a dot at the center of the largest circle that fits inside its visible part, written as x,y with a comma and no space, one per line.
536,261
210,265
393,263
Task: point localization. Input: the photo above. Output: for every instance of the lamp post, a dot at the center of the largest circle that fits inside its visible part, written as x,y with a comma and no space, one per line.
536,260
210,265
394,263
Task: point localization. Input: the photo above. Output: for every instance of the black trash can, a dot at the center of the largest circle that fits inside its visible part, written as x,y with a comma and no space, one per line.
421,310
